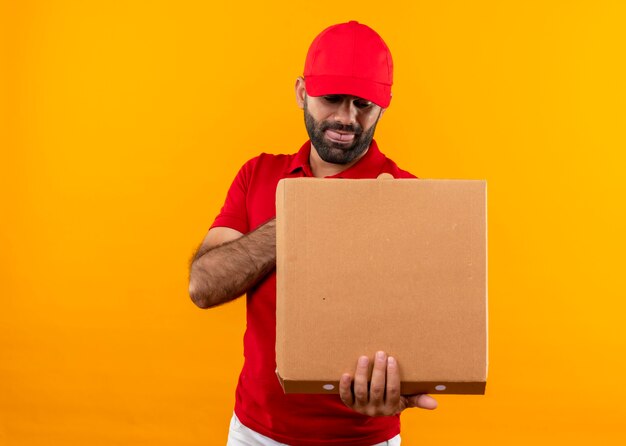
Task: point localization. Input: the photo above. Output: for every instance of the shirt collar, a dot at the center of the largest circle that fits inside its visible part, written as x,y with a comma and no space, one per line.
369,166
301,160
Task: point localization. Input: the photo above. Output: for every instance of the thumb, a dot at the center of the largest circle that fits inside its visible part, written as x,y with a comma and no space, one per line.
422,401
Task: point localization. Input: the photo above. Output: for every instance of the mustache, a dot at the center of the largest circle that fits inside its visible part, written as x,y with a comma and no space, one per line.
352,128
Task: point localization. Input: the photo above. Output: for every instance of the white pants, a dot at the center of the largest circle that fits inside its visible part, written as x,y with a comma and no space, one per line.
240,435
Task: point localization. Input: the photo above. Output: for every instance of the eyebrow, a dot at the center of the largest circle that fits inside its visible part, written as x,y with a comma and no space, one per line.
355,98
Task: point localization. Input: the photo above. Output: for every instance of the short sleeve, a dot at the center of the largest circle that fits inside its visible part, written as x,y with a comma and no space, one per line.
234,213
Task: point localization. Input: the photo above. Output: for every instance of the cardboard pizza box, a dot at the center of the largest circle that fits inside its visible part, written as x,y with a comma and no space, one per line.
392,265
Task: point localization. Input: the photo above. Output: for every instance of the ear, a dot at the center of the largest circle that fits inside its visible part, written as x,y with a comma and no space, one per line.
300,92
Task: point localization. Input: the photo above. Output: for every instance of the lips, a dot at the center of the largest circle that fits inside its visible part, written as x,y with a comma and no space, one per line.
339,137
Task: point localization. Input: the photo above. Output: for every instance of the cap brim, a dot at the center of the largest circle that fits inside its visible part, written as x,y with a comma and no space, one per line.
379,94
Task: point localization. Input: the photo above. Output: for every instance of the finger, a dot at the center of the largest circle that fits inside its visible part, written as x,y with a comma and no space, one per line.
392,392
377,385
345,392
360,381
423,402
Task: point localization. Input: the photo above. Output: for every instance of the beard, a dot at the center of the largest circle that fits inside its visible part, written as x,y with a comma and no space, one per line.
337,153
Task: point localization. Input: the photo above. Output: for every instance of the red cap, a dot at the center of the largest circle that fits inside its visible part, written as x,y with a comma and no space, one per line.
350,58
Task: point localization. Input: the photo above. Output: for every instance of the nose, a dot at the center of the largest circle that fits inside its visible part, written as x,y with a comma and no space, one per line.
345,113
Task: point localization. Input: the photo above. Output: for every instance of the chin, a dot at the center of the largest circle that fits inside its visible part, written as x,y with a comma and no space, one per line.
337,156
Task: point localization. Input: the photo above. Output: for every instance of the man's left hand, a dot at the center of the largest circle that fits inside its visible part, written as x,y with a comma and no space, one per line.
383,397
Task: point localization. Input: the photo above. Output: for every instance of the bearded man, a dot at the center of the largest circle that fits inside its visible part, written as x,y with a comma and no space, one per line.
344,92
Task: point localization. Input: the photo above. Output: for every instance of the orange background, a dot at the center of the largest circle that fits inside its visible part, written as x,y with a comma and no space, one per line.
123,124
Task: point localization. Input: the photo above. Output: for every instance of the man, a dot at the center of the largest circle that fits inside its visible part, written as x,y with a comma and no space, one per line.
344,92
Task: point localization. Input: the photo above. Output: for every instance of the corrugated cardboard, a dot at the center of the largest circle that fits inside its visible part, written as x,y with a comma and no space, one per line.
392,265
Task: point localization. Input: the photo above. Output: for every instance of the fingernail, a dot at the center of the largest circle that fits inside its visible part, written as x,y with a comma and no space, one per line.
380,355
363,360
391,360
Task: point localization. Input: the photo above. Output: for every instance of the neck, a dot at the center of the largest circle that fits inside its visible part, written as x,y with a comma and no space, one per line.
321,168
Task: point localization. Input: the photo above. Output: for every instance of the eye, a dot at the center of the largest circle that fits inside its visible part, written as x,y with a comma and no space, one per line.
362,104
332,98
359,103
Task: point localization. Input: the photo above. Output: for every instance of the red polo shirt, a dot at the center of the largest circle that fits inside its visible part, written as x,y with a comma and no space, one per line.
261,404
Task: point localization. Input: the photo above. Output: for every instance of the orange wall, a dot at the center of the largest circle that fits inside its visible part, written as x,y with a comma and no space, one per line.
123,124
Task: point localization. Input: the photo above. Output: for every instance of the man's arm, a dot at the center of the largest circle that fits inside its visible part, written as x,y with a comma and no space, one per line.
229,263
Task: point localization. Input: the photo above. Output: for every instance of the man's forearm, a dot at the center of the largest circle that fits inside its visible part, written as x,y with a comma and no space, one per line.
229,270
